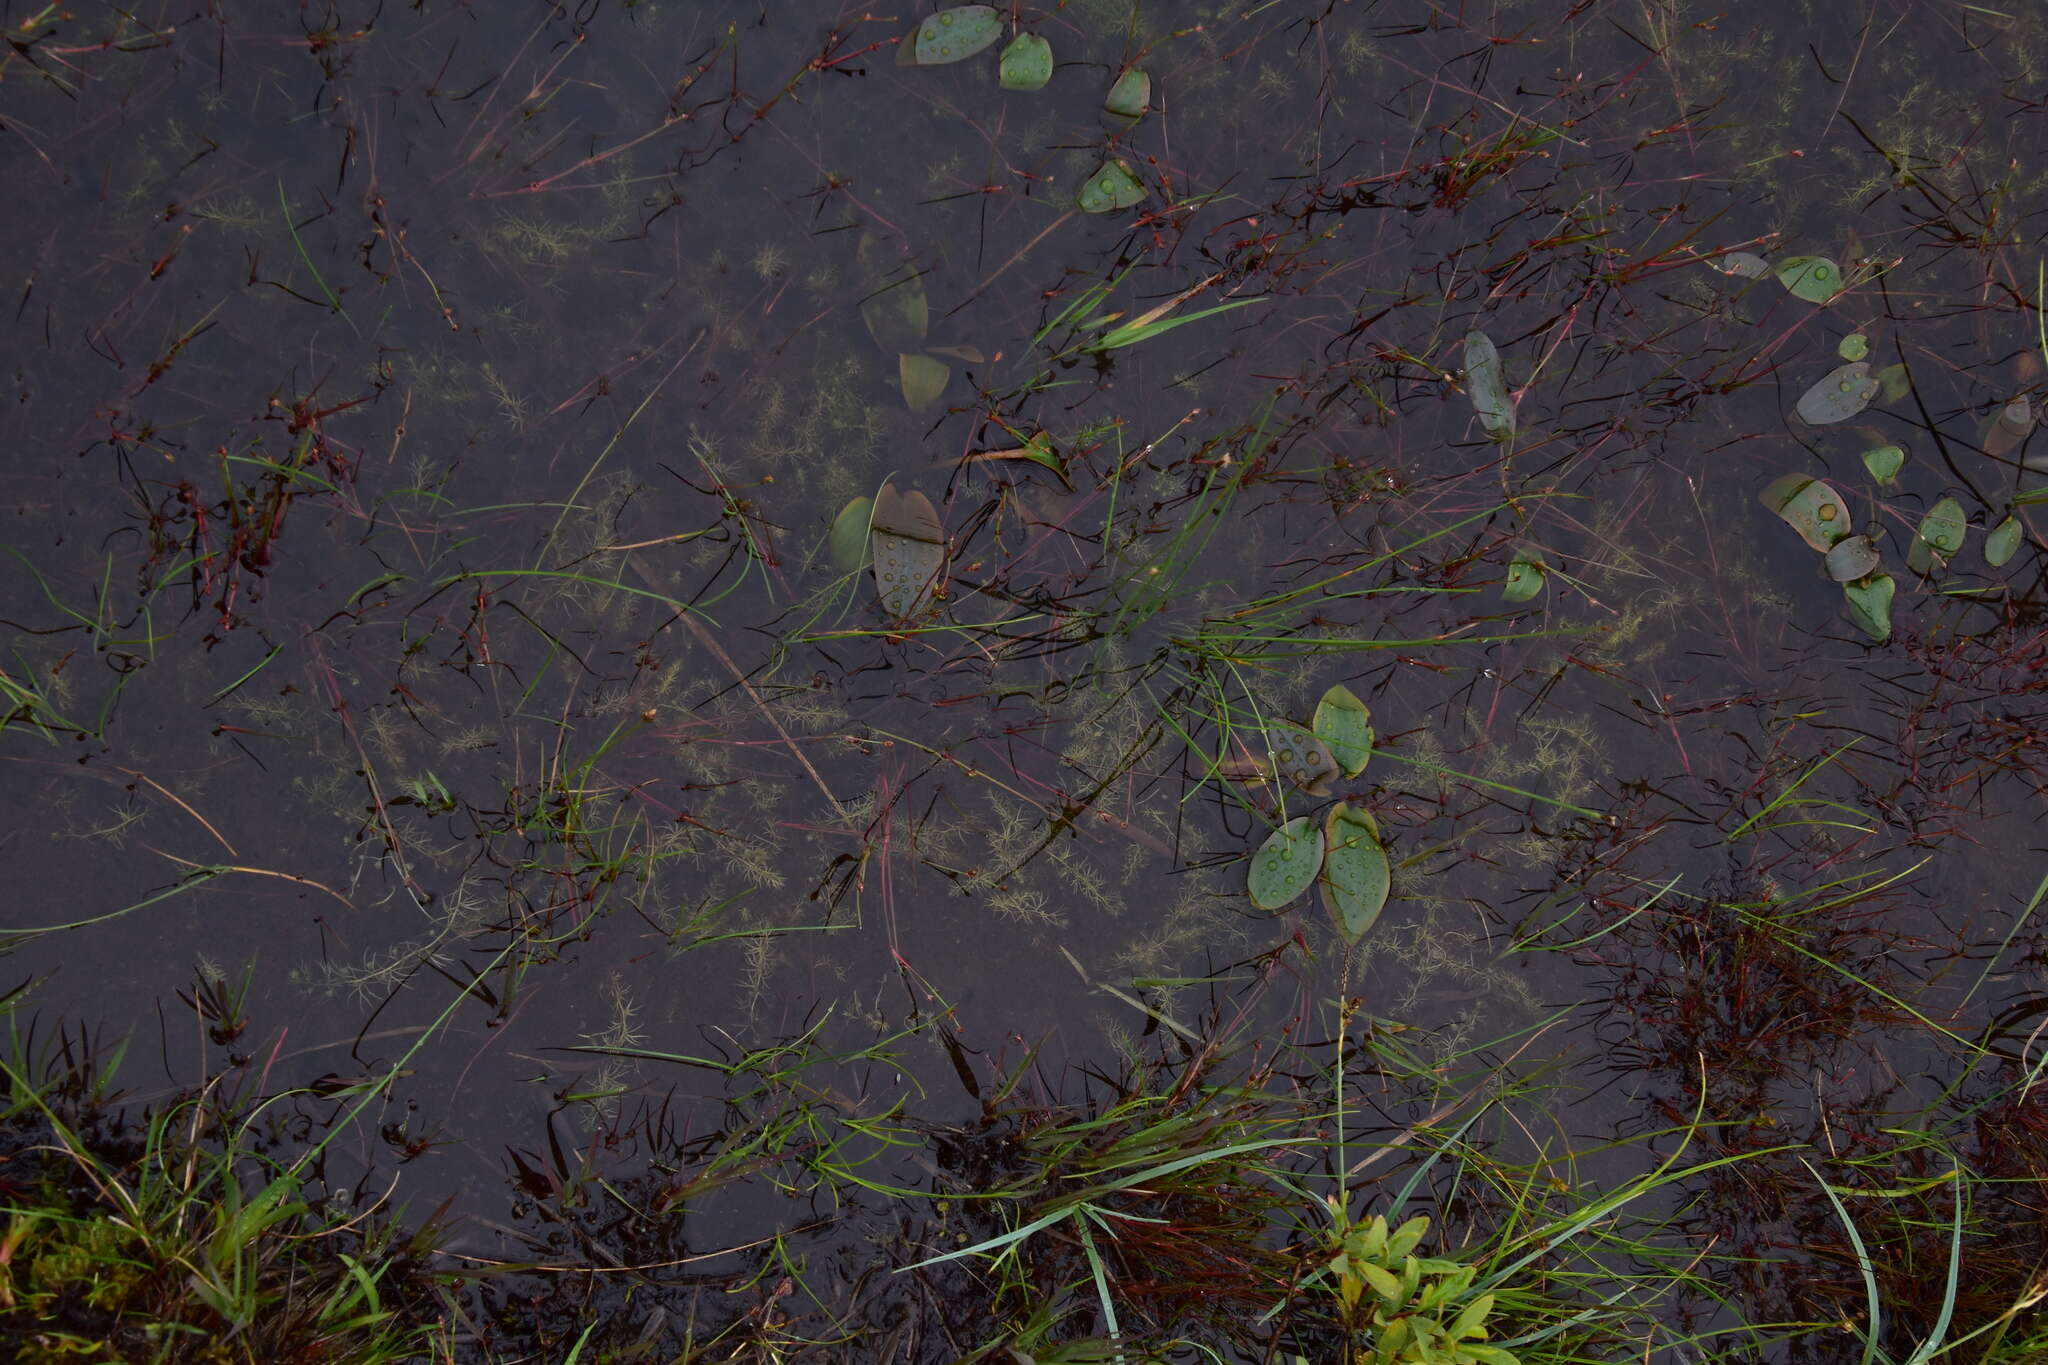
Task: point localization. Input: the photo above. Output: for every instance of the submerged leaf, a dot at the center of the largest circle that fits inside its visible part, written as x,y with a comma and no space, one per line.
1870,605
1027,63
1130,96
1896,382
1301,758
1344,723
1809,507
2003,543
952,34
1355,878
922,379
1113,186
1745,264
910,551
1843,393
1884,462
849,538
1851,559
895,310
2009,427
1527,574
1285,864
1813,278
1489,386
1939,537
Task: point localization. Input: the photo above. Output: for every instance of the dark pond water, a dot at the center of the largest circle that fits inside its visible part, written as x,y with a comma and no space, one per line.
427,646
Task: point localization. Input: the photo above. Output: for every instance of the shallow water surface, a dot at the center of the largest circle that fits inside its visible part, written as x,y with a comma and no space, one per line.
441,660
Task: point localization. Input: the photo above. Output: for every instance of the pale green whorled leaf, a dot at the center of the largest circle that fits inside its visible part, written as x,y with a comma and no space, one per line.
1301,758
1026,63
953,34
2003,543
1355,877
1113,186
922,378
1854,346
1129,96
1527,575
909,547
1344,723
1489,386
1743,264
1813,278
1870,605
1285,864
849,538
1852,558
1885,462
1939,537
1841,394
1809,507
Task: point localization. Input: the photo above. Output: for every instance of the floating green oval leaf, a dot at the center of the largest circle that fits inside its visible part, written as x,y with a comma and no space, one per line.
1745,264
1851,559
2003,543
952,34
1845,392
909,549
1870,605
1527,573
1355,878
1854,346
922,379
1111,187
1939,537
1488,383
1809,507
1027,63
1130,96
1301,758
1285,864
1344,723
1884,462
1813,278
849,538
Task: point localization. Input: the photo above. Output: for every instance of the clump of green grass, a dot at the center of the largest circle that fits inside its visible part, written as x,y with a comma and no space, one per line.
171,1237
